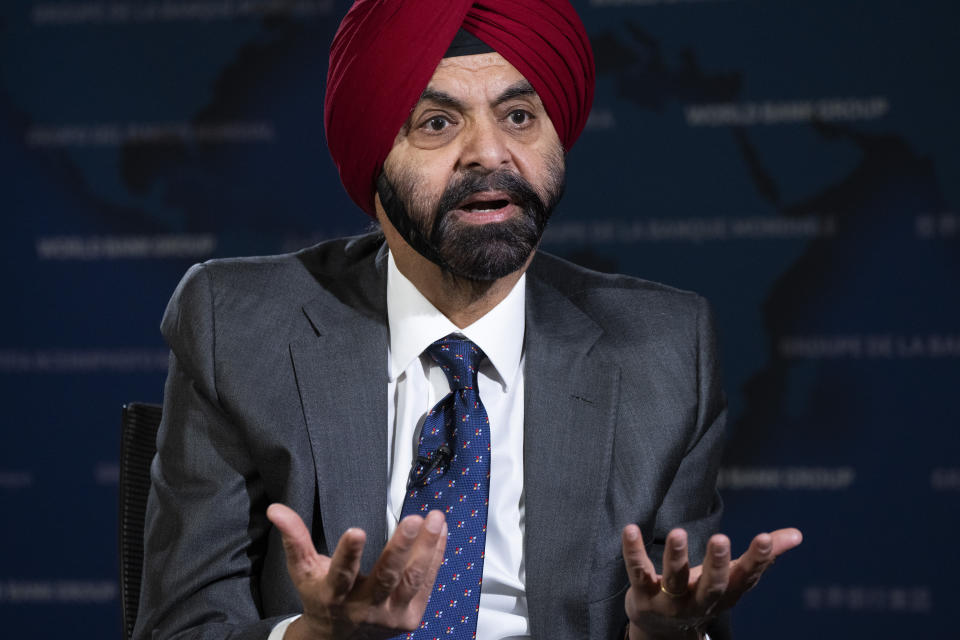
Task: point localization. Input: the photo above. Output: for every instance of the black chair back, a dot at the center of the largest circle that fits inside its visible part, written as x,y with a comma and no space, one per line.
138,443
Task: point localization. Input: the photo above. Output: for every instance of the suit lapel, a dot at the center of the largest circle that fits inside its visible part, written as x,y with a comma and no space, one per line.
341,375
570,413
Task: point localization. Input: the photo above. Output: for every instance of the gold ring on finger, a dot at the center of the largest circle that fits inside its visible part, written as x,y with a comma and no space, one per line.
672,594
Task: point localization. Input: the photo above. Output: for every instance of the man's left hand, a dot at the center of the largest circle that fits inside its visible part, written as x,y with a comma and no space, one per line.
679,604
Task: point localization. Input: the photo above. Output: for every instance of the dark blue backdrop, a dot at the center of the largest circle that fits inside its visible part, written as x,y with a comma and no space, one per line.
796,162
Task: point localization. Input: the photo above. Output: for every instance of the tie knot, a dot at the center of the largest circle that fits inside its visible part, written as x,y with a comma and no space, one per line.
459,359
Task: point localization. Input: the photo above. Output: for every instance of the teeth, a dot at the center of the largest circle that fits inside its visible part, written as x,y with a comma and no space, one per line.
492,205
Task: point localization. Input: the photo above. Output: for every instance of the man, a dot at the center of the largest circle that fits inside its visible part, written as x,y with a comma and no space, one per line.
301,467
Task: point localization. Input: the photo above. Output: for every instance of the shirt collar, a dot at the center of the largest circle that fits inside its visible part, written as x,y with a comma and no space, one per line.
415,323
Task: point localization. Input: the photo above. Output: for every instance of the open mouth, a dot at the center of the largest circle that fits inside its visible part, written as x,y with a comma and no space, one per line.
484,203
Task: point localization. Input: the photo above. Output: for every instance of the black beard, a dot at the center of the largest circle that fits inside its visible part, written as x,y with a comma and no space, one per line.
481,252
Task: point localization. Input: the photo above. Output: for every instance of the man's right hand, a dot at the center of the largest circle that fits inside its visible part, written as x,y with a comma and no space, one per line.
338,602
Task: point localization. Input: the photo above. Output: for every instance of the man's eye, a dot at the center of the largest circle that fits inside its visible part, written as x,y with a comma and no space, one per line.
519,117
437,123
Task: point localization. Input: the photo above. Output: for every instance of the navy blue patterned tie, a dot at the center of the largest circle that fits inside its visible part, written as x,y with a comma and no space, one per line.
452,473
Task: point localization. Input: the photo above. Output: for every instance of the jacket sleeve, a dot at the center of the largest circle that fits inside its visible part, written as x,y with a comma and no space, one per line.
205,530
692,502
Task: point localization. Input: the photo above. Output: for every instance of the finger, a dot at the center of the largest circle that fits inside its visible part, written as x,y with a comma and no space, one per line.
747,569
785,539
764,549
421,598
345,563
419,573
439,553
676,564
716,572
297,545
639,568
389,568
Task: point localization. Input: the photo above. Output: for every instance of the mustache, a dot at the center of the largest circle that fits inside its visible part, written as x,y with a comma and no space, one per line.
520,192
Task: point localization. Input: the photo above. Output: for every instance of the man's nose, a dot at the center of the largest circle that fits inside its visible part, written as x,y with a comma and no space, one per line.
485,146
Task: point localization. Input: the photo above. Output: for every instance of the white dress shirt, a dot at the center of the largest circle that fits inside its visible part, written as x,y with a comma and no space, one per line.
415,385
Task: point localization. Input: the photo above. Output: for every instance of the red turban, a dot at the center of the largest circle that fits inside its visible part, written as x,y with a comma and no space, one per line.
386,51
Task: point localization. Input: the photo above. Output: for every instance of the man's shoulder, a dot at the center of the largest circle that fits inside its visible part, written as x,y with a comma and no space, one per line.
636,318
597,290
330,258
267,289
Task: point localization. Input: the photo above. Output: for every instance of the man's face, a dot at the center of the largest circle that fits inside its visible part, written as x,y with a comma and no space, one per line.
474,174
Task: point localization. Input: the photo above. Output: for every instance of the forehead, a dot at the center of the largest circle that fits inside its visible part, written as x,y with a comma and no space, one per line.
480,73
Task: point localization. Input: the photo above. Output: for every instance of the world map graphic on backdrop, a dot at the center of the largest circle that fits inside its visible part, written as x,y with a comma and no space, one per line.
877,198
797,164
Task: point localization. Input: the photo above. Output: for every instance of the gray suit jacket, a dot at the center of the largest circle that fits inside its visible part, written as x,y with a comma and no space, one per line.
275,394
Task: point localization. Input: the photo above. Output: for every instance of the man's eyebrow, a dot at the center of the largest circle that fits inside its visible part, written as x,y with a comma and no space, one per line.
440,98
520,89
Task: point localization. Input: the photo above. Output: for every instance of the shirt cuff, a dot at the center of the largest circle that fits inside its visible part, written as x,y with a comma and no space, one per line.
281,628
